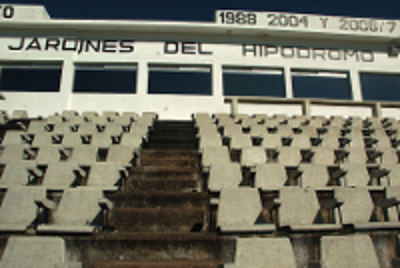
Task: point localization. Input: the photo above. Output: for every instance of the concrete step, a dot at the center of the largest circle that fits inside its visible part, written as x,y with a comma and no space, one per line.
155,200
156,264
164,173
157,185
155,246
158,219
170,162
145,153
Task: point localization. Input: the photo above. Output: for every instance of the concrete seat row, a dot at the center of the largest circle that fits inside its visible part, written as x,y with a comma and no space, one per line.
335,251
80,154
103,139
269,177
75,211
251,156
38,251
295,121
61,175
247,210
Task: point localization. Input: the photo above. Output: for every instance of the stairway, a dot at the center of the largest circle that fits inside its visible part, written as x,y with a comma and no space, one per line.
161,218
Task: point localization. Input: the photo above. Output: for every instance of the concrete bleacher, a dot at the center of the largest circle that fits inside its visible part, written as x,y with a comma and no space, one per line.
131,190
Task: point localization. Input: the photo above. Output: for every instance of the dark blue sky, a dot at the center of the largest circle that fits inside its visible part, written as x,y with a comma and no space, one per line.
203,10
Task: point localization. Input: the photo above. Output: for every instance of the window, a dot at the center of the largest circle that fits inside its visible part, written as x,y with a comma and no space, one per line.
321,84
380,87
106,78
253,82
187,80
26,77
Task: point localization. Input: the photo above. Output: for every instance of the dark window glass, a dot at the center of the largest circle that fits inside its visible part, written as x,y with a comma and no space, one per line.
381,87
27,77
253,82
180,80
105,79
318,84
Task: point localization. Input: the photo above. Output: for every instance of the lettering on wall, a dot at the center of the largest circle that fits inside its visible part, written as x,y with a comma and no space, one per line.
188,48
291,52
72,44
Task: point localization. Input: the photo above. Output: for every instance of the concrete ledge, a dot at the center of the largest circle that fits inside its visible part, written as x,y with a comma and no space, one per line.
61,229
258,228
377,225
316,227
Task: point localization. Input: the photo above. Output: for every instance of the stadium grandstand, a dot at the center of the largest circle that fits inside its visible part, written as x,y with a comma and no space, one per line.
262,139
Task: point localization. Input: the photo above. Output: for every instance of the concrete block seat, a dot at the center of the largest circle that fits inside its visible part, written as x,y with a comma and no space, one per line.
360,209
299,209
239,141
67,114
124,154
223,119
20,173
88,128
270,176
61,175
51,153
19,114
260,118
35,252
116,128
214,155
210,140
206,130
393,175
301,141
18,210
123,120
71,139
322,155
330,130
99,120
17,137
133,116
148,118
224,176
89,115
330,141
38,126
258,131
284,130
271,141
65,127
352,156
252,156
103,140
16,152
201,119
311,131
248,122
78,211
110,115
230,130
107,175
288,155
355,175
46,139
356,251
263,252
140,129
240,211
131,139
314,175
84,154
